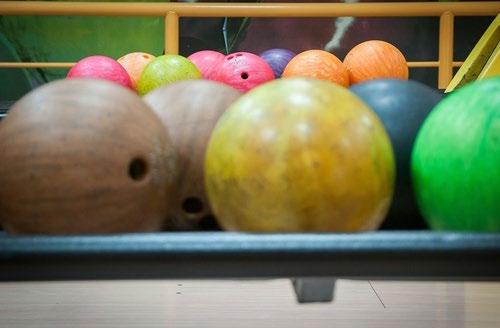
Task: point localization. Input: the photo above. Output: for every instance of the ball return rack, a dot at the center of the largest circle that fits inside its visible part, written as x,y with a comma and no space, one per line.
312,261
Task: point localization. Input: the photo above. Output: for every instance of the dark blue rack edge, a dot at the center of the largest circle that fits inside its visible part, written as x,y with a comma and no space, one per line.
376,255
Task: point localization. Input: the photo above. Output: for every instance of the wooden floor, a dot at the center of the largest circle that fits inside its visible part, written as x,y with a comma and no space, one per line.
252,304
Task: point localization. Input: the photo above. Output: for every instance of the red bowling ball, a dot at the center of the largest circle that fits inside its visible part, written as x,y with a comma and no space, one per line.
207,61
101,68
244,71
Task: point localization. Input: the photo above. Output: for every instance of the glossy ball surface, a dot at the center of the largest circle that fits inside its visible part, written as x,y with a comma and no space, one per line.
402,106
102,68
134,63
244,71
318,64
375,59
189,110
208,62
84,157
164,70
299,155
277,58
456,160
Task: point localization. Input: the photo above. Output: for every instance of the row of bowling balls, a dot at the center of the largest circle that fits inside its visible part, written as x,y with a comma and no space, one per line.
89,156
244,71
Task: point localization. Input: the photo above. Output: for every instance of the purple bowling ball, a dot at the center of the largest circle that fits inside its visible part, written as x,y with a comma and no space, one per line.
278,59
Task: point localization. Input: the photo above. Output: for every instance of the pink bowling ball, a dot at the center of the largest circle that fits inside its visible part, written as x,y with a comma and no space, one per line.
100,67
244,71
207,61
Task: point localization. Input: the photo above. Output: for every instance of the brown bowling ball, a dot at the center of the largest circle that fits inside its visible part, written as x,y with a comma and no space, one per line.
190,110
84,157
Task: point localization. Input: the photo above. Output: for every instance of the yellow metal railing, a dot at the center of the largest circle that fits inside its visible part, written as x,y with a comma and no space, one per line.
173,11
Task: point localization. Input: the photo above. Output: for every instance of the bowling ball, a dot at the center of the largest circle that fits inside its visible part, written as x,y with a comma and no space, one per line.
375,59
190,110
84,156
208,62
402,106
244,71
164,70
100,67
134,64
318,64
299,155
278,59
456,160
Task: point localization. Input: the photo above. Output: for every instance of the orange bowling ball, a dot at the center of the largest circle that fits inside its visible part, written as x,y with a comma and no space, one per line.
375,59
318,64
134,64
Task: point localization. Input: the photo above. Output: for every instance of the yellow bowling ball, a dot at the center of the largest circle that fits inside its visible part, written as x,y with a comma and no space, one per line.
299,155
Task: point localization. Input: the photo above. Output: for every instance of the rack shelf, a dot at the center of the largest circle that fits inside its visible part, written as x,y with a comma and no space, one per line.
420,255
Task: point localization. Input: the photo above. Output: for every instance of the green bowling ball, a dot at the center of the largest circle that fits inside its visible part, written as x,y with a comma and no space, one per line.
456,160
165,70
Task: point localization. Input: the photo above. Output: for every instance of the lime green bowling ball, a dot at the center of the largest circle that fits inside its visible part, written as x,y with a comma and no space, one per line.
164,70
299,155
456,160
